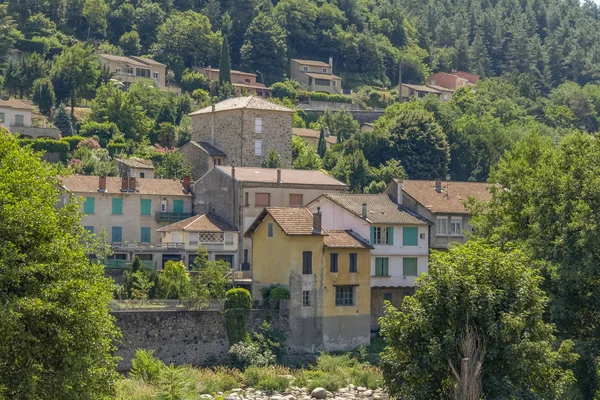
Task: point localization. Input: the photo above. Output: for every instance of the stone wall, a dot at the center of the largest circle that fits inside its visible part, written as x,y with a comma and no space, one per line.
197,157
185,337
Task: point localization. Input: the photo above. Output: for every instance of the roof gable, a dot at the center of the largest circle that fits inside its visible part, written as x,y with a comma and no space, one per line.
246,103
209,222
293,221
288,176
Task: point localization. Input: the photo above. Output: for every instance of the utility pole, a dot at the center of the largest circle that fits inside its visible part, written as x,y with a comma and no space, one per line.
400,78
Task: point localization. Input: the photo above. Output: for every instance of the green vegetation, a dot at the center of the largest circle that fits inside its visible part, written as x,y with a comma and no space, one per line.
56,336
238,303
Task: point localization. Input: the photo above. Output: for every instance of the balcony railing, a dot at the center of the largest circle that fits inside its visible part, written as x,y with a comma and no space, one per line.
148,245
125,264
241,276
171,216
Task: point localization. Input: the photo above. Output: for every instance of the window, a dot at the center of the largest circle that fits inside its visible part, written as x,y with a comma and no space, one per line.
246,199
117,234
118,70
409,266
333,262
229,239
296,200
381,266
344,295
410,236
306,298
258,125
145,234
456,226
322,82
146,206
270,229
258,147
353,262
445,97
324,70
163,206
143,72
155,75
145,257
262,199
129,70
177,206
193,237
334,82
2,117
228,258
441,225
117,206
18,120
90,229
381,235
142,175
88,205
387,297
307,262
304,68
247,80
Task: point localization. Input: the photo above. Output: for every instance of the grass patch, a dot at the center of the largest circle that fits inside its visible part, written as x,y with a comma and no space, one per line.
220,379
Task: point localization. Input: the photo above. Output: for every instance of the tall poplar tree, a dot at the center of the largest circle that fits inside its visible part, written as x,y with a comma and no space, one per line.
225,63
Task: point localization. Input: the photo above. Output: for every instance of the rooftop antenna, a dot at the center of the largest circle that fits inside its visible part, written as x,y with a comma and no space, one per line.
448,186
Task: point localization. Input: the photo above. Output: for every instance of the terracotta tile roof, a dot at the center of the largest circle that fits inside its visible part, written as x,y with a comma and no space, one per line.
311,133
252,86
288,176
311,62
440,88
381,209
421,88
325,76
209,148
233,71
15,103
247,103
136,162
147,61
123,59
293,221
472,78
200,223
89,184
345,240
450,199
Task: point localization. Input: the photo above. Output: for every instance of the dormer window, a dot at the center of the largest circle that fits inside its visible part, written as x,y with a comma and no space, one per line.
325,70
305,68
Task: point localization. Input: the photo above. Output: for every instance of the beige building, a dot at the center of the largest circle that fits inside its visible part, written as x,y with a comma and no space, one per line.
131,211
135,167
20,117
207,230
442,203
326,272
241,81
244,130
239,194
316,76
311,137
130,69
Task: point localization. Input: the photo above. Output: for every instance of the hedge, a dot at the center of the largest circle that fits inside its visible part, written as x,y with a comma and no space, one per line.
47,146
116,148
332,98
73,141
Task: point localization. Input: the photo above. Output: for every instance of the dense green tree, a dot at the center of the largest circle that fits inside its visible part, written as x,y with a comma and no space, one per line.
192,80
148,17
272,160
265,48
225,63
173,281
8,32
57,338
173,166
95,12
496,293
43,95
77,69
340,124
62,121
12,79
304,156
353,169
130,43
322,145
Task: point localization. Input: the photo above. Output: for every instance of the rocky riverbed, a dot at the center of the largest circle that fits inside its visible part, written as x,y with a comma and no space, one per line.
350,392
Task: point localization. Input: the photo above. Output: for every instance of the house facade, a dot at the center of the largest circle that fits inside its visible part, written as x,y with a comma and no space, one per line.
19,116
442,203
131,69
135,168
311,137
326,272
399,239
239,194
316,76
206,230
241,81
244,129
131,211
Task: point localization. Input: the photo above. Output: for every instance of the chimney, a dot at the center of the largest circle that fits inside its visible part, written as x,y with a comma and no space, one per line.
438,185
124,184
364,211
132,185
101,184
233,172
400,184
186,183
278,175
331,62
317,221
326,132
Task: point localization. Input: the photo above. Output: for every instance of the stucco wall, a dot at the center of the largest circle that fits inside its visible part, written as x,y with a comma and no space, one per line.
234,133
185,337
197,158
9,116
377,301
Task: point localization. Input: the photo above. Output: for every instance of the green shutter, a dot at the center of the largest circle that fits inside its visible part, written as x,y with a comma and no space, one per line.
88,205
117,206
372,235
385,266
178,206
117,234
146,206
410,236
381,266
145,235
390,235
90,229
409,266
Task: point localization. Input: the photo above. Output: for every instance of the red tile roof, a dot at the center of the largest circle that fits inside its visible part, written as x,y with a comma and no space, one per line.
15,103
288,176
247,103
294,221
200,223
451,198
345,240
89,184
311,62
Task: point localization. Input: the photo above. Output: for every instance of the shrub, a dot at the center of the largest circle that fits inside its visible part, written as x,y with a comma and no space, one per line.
238,303
145,367
173,281
283,90
252,353
220,379
273,382
89,143
276,294
193,80
335,363
175,384
133,389
366,376
329,381
115,148
73,141
334,98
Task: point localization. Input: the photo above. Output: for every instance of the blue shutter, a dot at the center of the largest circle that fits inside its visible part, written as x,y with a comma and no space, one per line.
385,267
410,236
88,205
372,235
146,206
145,235
117,234
178,206
390,235
117,206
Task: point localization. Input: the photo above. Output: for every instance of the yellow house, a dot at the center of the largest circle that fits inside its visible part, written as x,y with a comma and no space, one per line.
326,271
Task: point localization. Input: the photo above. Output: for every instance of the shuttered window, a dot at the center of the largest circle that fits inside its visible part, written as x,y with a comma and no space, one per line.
145,235
262,199
410,236
177,206
88,205
146,206
90,229
381,266
117,206
333,262
353,262
295,200
409,266
117,234
307,262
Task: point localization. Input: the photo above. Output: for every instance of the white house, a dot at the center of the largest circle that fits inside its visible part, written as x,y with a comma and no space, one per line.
399,238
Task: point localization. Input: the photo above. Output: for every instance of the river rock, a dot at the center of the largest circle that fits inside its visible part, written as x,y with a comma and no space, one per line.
318,393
